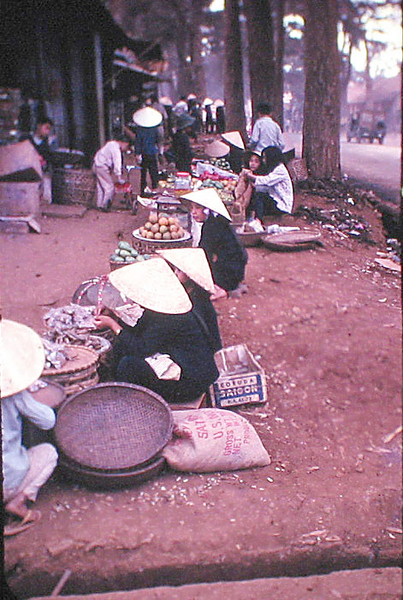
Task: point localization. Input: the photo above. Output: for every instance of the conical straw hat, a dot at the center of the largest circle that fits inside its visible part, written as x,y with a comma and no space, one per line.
191,97
147,117
219,102
209,198
234,138
22,357
192,262
217,149
153,285
207,102
166,101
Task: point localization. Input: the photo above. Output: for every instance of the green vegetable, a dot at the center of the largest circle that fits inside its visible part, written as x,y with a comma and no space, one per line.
140,258
130,259
118,258
134,252
124,246
125,253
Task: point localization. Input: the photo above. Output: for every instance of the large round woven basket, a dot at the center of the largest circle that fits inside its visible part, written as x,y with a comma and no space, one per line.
78,373
73,186
113,426
110,479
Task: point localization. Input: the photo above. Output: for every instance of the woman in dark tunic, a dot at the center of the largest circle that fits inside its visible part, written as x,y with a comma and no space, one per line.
226,257
193,271
168,326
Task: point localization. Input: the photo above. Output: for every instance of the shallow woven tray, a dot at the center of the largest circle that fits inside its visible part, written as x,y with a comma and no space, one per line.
80,359
110,479
294,240
144,245
113,426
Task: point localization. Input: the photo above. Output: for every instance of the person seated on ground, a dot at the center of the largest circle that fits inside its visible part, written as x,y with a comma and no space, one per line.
273,193
181,144
193,271
244,188
24,471
148,144
167,351
108,160
226,257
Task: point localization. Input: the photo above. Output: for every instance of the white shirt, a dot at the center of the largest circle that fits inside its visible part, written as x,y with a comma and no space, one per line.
266,132
279,185
110,157
15,457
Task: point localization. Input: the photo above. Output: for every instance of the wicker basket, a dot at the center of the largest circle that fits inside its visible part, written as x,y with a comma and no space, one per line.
110,479
73,186
113,426
150,246
78,373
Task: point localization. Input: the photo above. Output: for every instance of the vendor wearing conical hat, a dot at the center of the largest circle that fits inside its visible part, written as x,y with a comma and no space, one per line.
148,143
193,271
226,257
22,360
167,351
237,149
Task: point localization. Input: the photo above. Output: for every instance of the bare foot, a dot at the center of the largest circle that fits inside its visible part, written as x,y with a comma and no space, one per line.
18,506
218,293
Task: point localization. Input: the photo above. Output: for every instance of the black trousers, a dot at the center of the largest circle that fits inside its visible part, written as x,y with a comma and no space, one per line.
263,204
149,164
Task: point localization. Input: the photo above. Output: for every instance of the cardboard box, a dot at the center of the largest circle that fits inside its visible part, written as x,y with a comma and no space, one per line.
242,380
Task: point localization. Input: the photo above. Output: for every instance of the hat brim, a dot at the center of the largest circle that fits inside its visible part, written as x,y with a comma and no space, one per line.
153,285
210,199
217,149
192,262
147,117
22,357
234,138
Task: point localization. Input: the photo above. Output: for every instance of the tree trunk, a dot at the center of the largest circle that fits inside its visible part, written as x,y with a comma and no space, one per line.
198,73
278,107
233,77
321,134
261,51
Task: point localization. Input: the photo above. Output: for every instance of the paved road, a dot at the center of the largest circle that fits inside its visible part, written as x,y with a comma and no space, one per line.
371,164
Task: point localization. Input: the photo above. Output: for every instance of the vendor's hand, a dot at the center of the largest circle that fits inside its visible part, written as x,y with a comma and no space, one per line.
250,175
103,321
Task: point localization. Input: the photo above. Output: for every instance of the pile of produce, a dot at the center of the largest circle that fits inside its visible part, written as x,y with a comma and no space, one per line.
162,228
126,254
222,163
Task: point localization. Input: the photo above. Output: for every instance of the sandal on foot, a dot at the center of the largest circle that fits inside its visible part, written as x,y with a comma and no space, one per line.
32,517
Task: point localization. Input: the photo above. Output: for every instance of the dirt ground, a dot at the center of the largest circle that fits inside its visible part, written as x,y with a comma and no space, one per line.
326,326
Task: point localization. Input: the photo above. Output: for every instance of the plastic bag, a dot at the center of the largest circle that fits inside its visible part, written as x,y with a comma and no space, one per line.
213,439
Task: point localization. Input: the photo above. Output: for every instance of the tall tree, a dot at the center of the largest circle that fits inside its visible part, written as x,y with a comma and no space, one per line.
321,132
261,50
278,106
233,75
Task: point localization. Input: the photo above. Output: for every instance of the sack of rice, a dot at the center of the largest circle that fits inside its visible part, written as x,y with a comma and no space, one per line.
213,439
